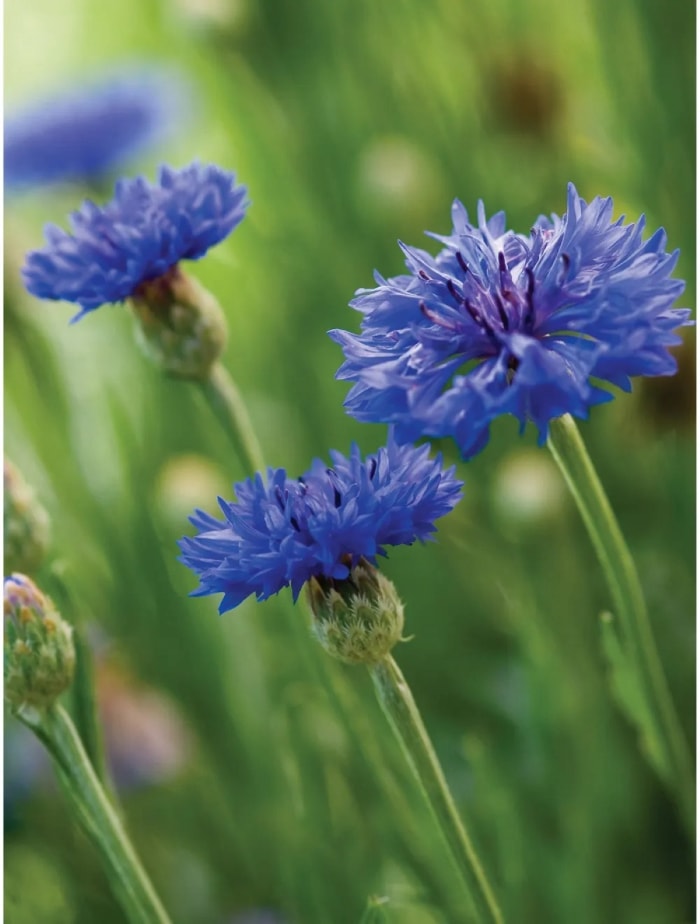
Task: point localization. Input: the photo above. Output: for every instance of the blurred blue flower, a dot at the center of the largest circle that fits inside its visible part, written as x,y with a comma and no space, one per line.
284,531
502,323
26,766
138,237
85,133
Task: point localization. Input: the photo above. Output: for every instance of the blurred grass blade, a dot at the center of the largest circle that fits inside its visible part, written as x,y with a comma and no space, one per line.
629,696
85,706
570,454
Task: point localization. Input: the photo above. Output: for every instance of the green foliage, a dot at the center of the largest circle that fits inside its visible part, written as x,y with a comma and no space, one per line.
354,124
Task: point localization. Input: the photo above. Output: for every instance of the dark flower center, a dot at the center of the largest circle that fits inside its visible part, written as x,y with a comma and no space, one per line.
499,307
496,309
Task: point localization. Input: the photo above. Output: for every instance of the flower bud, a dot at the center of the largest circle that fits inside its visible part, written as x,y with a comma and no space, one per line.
38,649
182,328
25,525
358,619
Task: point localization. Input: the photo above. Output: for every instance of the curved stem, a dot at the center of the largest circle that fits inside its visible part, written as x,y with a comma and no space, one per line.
98,817
569,451
400,708
227,403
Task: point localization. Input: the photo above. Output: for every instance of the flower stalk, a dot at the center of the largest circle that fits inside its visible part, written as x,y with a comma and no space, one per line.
397,702
227,403
96,814
570,453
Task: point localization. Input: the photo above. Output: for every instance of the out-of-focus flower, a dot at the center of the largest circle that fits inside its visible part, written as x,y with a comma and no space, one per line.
26,767
223,18
25,524
502,323
85,133
132,246
527,489
186,481
396,176
283,531
145,737
524,92
670,404
39,654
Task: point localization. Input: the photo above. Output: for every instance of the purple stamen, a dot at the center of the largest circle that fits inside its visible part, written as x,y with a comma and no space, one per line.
452,289
502,312
435,318
529,295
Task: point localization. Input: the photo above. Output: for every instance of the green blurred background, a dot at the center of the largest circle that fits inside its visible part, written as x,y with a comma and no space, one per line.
246,760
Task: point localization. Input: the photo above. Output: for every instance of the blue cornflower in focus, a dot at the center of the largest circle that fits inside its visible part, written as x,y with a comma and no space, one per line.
85,133
283,531
502,323
139,237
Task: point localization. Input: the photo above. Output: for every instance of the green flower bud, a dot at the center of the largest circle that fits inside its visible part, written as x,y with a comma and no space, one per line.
182,328
358,619
25,525
38,649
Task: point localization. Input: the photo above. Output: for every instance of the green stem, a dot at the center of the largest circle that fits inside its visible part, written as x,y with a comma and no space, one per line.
400,708
97,815
227,403
569,451
85,707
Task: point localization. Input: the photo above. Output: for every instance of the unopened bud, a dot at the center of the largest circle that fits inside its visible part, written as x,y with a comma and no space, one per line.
25,525
38,647
358,619
182,328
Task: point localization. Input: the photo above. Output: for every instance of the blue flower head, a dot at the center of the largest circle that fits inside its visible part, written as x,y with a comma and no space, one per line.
283,531
136,238
84,133
501,323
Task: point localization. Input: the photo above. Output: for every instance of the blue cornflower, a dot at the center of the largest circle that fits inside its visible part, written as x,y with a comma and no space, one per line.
283,531
502,323
84,133
136,238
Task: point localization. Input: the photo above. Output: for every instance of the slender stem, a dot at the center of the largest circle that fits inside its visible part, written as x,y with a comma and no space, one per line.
227,403
400,708
98,817
569,451
85,707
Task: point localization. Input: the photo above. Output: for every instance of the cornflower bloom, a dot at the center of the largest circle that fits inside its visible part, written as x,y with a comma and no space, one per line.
132,245
284,531
502,323
324,531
